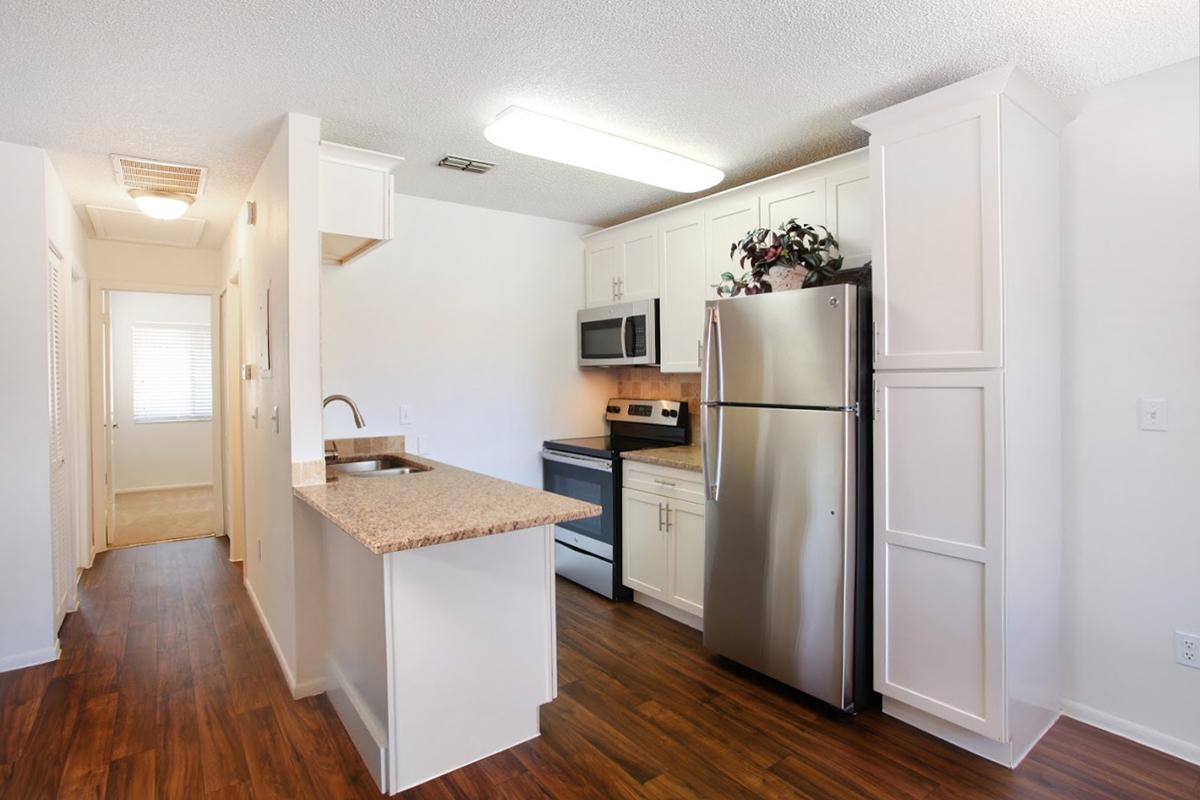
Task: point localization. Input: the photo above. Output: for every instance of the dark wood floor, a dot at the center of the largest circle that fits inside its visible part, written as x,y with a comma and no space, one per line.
168,688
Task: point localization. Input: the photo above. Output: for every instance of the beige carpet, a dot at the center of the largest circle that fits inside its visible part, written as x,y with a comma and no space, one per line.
163,514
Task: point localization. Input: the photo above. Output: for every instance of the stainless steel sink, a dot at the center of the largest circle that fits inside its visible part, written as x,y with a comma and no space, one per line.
377,467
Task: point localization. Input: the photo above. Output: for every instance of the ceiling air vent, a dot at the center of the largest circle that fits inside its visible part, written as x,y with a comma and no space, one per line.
465,164
159,176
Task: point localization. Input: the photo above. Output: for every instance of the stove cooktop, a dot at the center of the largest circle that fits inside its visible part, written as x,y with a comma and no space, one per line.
603,446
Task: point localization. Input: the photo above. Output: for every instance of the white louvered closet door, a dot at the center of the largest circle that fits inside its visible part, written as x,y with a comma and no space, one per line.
62,553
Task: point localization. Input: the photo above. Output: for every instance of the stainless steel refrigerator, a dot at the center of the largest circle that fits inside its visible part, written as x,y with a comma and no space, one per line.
786,523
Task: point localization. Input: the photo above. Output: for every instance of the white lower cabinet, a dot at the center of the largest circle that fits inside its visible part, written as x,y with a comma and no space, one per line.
939,565
685,536
663,539
646,550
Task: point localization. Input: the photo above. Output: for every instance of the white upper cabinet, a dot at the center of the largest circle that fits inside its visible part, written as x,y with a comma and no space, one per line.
355,200
602,267
848,214
622,265
937,240
639,260
726,221
684,290
679,255
798,196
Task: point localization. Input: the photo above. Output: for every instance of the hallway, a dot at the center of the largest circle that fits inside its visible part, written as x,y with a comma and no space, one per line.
163,515
167,687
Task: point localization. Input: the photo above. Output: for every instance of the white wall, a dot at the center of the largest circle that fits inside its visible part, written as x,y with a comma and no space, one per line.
1132,330
468,317
26,613
153,264
282,548
149,455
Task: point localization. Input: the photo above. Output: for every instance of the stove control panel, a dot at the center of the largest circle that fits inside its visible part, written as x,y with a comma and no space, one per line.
651,412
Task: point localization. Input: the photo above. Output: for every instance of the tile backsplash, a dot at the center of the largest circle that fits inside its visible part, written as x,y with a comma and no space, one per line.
647,383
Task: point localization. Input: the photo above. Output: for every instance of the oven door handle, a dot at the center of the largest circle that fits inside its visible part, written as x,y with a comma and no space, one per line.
586,462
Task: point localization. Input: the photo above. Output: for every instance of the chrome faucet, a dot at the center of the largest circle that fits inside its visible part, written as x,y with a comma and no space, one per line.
358,417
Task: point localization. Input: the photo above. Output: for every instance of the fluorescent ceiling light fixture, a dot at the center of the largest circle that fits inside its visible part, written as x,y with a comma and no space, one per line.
557,140
161,205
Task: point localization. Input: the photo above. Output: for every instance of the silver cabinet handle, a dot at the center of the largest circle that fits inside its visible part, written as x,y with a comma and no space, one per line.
662,482
660,516
669,509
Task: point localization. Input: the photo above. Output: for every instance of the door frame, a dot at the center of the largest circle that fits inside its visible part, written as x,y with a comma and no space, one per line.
229,307
100,438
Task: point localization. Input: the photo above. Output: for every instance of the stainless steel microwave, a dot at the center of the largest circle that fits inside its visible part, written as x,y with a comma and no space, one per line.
620,335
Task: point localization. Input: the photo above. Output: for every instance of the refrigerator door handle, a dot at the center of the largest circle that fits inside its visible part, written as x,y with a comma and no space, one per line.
712,474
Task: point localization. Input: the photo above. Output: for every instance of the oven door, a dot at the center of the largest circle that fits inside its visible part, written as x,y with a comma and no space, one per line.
592,481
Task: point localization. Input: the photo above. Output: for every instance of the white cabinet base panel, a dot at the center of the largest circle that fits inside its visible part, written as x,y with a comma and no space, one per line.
1027,720
441,656
667,610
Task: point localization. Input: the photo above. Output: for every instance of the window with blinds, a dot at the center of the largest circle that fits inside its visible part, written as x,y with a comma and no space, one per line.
172,372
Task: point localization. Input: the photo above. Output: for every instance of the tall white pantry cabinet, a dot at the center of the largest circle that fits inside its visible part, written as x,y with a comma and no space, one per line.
967,430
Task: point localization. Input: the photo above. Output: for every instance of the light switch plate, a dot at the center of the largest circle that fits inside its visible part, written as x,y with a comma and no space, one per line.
1153,414
405,414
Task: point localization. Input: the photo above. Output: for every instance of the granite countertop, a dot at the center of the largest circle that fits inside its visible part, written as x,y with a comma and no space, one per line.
445,504
684,456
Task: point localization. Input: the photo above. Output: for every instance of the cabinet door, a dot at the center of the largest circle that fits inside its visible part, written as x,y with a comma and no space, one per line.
638,278
685,523
937,241
848,214
726,222
939,572
795,197
644,543
602,265
684,290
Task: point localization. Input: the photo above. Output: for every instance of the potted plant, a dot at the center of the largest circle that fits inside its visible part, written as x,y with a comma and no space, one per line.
795,249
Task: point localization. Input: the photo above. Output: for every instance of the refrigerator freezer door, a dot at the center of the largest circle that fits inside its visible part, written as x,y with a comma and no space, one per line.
779,555
794,348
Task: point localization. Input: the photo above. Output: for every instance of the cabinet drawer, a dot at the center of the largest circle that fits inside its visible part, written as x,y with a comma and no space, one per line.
664,481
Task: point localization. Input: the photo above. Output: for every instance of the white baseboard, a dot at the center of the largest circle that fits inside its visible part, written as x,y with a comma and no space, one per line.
162,488
298,690
30,658
1131,730
668,610
367,733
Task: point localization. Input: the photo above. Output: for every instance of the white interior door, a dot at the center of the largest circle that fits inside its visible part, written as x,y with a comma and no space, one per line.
939,570
62,549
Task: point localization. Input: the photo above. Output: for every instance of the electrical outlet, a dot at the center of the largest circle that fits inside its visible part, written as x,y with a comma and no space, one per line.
422,445
1187,649
405,415
1153,414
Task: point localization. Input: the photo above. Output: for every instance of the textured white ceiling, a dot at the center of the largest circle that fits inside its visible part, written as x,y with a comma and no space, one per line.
752,88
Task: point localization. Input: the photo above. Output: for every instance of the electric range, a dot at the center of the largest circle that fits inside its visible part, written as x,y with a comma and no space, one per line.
588,551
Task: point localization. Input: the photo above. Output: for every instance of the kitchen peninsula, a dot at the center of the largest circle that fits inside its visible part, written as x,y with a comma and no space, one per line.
439,603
